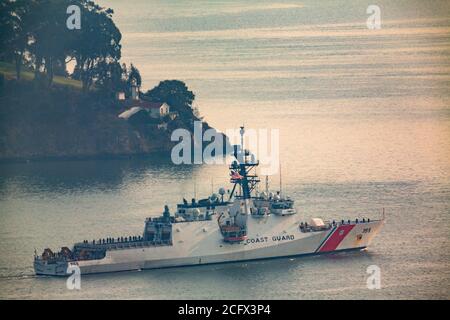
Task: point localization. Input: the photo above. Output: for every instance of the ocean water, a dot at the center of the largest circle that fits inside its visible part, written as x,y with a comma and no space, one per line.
364,123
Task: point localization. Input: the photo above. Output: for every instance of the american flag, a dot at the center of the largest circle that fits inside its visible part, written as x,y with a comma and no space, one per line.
236,176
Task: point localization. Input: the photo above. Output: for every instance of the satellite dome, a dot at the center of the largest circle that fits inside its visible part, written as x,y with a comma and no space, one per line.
222,191
277,197
196,212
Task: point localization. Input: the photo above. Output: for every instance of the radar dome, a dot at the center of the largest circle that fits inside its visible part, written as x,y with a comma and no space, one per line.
222,191
196,212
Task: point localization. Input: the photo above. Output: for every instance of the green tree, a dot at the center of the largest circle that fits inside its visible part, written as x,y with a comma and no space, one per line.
15,31
50,41
96,44
134,77
34,32
110,77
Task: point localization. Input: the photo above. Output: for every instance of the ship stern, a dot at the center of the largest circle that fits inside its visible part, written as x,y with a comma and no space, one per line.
43,268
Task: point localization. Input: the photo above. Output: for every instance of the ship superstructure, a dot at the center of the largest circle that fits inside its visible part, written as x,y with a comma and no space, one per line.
243,227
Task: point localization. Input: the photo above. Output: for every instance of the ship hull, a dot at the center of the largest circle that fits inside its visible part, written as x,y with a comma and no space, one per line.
199,243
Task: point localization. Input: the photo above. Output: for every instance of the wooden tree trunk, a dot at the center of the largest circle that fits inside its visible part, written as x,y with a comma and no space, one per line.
50,71
18,60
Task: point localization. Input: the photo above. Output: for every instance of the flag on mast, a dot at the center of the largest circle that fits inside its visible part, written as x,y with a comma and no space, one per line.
236,176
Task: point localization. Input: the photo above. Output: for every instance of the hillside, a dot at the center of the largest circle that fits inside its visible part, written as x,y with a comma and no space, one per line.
64,123
45,115
9,73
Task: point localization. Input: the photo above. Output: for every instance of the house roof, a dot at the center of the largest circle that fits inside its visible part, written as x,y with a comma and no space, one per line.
127,114
153,105
143,104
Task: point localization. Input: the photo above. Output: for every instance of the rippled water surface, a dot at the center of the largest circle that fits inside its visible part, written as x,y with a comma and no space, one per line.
364,120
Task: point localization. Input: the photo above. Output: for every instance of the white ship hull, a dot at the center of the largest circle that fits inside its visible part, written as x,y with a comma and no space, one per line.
200,242
213,231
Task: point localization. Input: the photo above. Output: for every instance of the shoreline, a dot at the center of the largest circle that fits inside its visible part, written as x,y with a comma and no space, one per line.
156,154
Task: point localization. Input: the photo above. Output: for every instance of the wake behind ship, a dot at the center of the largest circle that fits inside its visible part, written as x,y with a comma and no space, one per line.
246,226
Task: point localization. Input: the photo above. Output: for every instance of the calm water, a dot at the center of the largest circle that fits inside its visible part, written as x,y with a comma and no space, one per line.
364,120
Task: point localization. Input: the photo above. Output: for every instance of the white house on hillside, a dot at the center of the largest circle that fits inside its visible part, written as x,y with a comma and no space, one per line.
157,109
133,105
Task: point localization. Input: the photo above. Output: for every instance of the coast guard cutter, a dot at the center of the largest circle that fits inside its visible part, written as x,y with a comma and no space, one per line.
242,227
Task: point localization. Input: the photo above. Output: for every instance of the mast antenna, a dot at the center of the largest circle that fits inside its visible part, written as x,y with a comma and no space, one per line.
242,132
195,188
280,180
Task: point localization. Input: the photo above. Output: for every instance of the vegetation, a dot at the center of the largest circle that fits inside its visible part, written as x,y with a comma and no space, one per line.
65,123
58,86
35,40
35,35
8,71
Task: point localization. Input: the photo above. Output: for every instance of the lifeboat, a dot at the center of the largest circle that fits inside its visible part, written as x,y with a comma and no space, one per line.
235,238
233,233
47,254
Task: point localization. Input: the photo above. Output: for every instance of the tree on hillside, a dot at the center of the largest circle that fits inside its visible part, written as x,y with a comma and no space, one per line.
175,93
36,31
130,77
134,77
15,30
50,40
97,43
110,77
